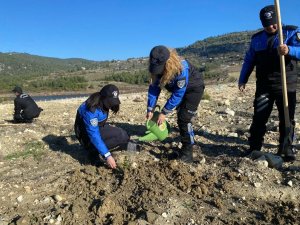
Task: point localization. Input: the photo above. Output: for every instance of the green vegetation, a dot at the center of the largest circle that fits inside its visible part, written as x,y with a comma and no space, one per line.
60,83
37,73
206,96
31,149
137,77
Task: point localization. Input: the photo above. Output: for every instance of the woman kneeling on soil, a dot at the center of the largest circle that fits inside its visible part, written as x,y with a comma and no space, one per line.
91,128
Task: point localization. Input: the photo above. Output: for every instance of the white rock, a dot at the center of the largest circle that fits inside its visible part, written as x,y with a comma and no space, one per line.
232,135
59,218
58,198
290,183
257,185
227,102
230,112
46,200
20,198
262,162
134,165
164,215
202,161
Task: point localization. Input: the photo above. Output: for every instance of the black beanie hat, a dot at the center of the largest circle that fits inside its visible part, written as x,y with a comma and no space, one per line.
158,58
268,16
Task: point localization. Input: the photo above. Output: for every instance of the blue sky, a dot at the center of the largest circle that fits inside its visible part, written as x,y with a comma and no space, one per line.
121,29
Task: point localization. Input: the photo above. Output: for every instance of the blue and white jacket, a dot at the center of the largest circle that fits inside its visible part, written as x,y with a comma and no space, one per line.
91,121
187,79
263,55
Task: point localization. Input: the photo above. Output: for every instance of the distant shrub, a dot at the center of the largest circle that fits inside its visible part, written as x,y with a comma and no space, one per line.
137,77
67,83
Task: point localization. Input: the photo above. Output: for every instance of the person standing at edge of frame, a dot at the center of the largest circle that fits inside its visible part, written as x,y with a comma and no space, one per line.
264,54
186,85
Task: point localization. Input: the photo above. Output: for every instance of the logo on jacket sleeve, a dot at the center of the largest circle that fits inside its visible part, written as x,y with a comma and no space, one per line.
181,83
298,36
94,122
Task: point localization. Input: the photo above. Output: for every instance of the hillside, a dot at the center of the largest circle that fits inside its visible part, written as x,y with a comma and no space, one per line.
220,57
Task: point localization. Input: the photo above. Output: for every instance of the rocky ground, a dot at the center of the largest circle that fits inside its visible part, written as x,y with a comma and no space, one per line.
47,178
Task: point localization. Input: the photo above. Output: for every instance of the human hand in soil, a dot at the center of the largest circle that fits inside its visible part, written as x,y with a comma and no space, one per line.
111,162
149,115
161,118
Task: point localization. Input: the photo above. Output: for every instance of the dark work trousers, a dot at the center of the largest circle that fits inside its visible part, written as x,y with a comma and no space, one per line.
112,136
21,118
263,105
185,112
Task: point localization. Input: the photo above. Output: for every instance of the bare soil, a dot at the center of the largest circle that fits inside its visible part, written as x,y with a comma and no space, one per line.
46,177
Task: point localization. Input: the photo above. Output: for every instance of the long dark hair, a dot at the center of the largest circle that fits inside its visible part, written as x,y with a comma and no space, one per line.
94,102
97,101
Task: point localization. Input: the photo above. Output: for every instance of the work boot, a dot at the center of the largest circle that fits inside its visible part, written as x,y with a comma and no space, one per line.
186,154
288,152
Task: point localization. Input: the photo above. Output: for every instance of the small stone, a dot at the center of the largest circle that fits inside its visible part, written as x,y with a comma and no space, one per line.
278,182
202,161
229,112
290,183
134,165
58,198
257,185
164,215
20,198
27,189
232,135
262,162
46,200
59,218
227,102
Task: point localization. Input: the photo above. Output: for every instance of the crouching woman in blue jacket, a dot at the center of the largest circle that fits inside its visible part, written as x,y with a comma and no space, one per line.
91,128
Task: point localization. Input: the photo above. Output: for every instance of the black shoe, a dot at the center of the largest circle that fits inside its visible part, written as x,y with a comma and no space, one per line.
290,154
186,154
